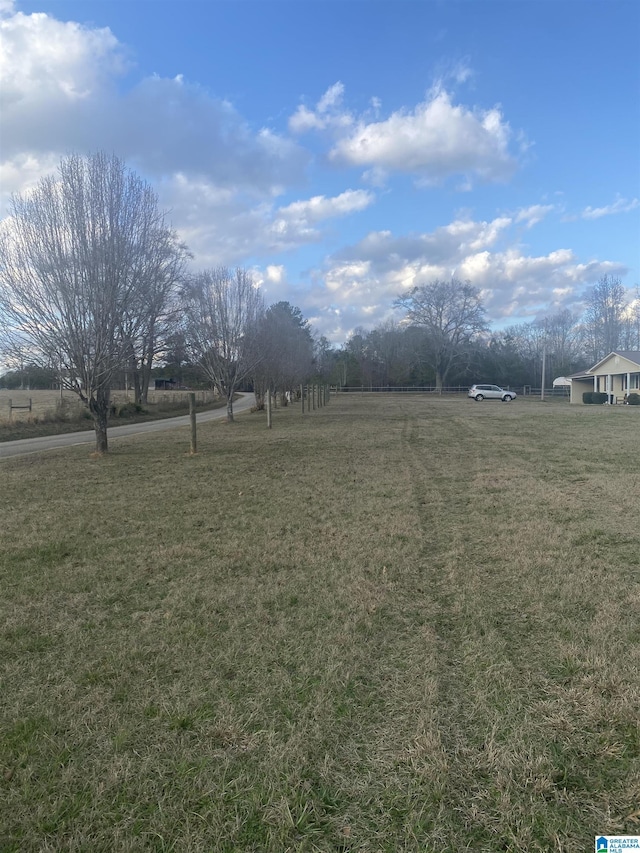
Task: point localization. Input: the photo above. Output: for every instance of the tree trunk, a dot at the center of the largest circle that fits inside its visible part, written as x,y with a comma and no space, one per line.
145,367
134,373
230,407
99,408
146,380
137,390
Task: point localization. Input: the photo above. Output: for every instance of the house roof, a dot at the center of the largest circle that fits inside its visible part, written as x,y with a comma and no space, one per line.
630,355
582,374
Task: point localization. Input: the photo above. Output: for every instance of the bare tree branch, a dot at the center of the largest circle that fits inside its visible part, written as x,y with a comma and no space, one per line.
451,314
221,313
79,257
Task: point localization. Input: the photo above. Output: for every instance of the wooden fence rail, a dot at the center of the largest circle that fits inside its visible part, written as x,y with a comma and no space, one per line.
28,407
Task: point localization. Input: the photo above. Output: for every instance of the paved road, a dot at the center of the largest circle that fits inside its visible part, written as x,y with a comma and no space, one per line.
50,442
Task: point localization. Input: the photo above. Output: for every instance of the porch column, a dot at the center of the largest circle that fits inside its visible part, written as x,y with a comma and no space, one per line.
595,383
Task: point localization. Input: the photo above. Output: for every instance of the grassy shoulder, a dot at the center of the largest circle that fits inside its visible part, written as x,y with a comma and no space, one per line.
389,625
51,425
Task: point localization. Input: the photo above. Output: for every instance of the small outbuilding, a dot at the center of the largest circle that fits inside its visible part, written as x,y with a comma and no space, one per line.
616,375
165,384
562,382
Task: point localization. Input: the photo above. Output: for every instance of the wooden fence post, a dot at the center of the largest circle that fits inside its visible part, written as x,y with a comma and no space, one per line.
192,416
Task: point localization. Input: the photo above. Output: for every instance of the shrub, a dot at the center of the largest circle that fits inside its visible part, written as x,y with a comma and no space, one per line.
127,410
599,397
587,396
633,399
71,410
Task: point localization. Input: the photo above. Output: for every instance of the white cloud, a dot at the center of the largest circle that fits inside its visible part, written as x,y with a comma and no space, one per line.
304,120
360,282
433,141
59,94
222,226
533,214
275,273
331,99
320,207
327,113
620,205
224,181
45,60
22,172
217,176
274,283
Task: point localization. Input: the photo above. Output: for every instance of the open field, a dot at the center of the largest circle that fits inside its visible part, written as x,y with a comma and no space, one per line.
50,415
400,624
47,403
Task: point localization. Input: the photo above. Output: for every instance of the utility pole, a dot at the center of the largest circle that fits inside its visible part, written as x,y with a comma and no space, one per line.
544,369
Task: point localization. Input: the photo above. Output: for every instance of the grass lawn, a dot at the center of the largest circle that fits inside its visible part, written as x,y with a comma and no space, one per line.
395,624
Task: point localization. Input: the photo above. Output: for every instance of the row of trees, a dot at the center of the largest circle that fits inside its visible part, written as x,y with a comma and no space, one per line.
444,339
93,282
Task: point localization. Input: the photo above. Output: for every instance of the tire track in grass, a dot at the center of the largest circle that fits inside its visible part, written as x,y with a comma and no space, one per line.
479,722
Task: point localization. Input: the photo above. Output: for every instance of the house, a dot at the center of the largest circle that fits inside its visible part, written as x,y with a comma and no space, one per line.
616,375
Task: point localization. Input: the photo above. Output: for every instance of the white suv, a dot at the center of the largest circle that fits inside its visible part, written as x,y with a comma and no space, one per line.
490,392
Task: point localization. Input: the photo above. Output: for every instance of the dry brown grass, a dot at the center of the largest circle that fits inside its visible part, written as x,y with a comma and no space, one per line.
44,403
397,624
47,404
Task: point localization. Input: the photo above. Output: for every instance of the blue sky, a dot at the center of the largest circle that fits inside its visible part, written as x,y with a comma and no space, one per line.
347,151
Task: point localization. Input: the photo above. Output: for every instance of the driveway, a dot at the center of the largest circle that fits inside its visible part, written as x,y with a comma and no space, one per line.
50,442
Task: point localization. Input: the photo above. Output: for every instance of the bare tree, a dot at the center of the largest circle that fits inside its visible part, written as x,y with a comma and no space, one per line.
322,357
562,342
158,314
78,258
16,356
630,335
452,316
603,319
285,344
383,355
221,311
